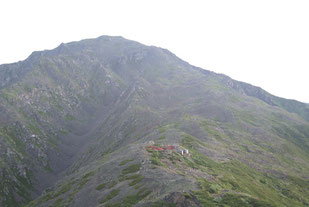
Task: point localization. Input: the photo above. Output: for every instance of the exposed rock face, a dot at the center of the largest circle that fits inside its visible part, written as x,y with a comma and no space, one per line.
75,123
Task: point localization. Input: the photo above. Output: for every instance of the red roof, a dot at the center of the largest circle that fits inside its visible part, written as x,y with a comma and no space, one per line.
170,147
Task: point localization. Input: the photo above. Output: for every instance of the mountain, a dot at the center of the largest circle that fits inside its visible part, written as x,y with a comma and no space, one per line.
79,126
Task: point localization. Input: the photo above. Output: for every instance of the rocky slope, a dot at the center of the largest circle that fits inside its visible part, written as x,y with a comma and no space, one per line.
76,121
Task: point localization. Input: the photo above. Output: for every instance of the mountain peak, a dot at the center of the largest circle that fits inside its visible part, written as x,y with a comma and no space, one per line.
105,121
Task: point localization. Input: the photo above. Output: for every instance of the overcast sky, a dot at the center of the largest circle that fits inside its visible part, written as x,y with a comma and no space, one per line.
262,42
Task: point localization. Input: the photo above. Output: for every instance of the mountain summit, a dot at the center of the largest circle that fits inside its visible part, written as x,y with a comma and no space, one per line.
112,122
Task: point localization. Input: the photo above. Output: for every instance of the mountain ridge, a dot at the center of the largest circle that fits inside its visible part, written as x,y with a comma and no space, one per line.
243,87
74,114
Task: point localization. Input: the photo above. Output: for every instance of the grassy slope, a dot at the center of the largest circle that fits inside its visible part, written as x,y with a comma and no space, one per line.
47,103
229,166
237,184
244,143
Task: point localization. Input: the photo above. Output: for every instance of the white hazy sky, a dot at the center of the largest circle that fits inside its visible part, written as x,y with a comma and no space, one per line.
262,42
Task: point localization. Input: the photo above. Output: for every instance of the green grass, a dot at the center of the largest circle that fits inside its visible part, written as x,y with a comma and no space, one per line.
260,189
111,184
105,156
110,196
113,205
163,129
69,188
156,161
124,162
54,194
85,178
101,186
136,180
134,199
59,203
162,204
155,157
131,177
65,188
138,186
208,127
129,200
233,200
162,137
108,185
239,182
175,157
69,117
131,169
